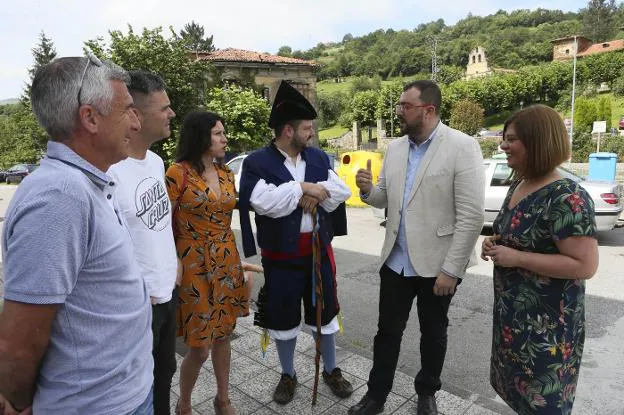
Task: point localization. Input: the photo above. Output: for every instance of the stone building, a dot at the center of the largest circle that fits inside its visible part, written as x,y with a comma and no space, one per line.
564,48
477,64
265,70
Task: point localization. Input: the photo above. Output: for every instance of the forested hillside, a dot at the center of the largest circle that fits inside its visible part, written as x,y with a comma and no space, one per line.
512,39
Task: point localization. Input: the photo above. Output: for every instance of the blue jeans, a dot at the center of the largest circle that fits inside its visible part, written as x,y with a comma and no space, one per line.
147,407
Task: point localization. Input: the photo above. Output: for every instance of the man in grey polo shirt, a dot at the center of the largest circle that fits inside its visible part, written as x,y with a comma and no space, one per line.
75,333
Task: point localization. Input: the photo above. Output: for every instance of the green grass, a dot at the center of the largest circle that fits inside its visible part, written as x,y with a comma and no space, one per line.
337,131
329,86
333,132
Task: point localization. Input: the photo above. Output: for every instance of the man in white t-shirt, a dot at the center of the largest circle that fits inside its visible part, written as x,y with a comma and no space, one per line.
146,208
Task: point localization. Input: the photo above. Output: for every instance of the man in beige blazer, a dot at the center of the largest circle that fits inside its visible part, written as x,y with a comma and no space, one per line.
432,183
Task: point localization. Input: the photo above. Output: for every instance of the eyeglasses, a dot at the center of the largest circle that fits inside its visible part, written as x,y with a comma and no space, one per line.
91,58
406,106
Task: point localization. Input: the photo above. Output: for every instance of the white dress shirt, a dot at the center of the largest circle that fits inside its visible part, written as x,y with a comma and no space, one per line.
279,201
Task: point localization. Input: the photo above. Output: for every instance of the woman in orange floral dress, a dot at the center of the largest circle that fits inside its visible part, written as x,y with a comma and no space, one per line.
213,290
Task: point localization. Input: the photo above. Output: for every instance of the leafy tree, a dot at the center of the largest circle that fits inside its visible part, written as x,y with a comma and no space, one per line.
43,53
330,107
246,116
365,83
467,116
19,138
8,109
28,139
448,74
187,79
582,146
599,19
387,99
613,144
585,114
363,106
604,110
489,146
618,86
194,38
285,51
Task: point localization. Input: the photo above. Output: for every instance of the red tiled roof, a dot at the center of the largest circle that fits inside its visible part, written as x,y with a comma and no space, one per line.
609,46
239,55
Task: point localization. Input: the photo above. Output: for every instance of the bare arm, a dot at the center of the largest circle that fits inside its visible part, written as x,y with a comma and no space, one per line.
24,337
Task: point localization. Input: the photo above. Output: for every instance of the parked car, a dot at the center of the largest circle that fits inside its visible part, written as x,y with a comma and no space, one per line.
2,176
485,133
236,165
606,195
17,173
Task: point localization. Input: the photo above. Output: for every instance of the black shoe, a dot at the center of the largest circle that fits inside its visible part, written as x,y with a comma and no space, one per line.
427,405
339,386
285,390
367,406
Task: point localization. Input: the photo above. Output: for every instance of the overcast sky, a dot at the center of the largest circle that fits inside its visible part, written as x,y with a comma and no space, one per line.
259,25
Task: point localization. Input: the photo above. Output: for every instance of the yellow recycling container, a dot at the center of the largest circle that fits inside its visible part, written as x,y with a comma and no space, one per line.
350,163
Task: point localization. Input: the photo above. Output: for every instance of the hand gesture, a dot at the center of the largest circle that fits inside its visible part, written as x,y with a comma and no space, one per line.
486,246
308,203
315,190
364,178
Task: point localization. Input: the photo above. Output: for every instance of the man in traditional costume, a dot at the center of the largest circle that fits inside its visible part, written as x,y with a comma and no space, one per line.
298,202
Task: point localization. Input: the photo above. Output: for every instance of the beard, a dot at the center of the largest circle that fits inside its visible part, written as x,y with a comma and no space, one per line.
300,143
414,129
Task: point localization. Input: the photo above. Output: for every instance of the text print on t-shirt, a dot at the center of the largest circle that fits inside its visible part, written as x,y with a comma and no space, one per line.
152,204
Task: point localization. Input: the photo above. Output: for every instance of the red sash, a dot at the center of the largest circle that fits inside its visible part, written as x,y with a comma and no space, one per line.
304,248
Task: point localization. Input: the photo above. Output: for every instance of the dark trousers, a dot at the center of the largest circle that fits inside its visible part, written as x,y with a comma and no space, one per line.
396,295
164,332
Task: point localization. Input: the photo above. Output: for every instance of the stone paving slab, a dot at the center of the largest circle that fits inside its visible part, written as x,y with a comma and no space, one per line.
253,378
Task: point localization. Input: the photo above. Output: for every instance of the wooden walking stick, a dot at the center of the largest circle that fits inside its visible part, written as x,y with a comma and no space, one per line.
317,297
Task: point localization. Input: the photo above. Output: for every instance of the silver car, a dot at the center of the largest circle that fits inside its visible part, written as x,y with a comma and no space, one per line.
236,165
606,195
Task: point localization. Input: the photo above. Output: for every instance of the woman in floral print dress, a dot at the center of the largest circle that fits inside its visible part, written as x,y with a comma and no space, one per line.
543,248
213,290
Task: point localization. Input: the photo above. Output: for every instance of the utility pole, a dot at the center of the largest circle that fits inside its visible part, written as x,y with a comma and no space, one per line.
573,90
434,58
392,110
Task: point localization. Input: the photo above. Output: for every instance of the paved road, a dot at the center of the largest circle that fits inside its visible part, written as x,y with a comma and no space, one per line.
466,371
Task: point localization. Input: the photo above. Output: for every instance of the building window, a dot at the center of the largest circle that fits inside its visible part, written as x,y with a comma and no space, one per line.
473,59
567,51
266,93
479,58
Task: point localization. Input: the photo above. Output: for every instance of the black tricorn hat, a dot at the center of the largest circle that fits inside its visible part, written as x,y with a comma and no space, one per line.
290,104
